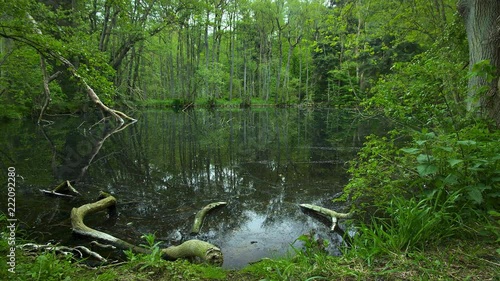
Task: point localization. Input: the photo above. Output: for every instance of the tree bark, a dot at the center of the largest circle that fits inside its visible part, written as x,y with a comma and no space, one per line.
482,23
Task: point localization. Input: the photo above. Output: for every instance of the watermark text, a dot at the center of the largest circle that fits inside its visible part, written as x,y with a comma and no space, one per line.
11,218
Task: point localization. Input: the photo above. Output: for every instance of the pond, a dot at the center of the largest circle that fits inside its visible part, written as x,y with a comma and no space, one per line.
168,165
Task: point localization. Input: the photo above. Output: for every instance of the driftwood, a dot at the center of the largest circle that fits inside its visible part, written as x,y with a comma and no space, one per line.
198,219
192,248
64,250
334,216
60,190
104,246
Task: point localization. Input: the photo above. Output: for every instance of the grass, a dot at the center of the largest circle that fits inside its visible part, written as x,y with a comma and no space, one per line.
454,260
410,225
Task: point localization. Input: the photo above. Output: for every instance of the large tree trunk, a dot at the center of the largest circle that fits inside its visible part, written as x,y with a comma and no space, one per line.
482,23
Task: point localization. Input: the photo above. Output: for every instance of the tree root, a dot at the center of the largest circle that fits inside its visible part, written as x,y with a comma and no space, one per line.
198,219
192,248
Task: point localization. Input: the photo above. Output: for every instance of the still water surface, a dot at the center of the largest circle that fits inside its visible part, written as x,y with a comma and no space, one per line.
168,165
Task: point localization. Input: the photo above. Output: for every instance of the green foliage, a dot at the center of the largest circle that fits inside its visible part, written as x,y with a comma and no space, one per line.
312,246
48,266
483,70
446,162
378,172
209,272
151,260
493,226
409,225
19,81
150,239
153,103
467,160
34,30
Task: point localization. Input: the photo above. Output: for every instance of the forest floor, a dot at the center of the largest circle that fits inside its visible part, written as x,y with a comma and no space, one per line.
457,260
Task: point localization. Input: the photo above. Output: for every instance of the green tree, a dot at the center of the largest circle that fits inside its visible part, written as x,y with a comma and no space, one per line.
34,25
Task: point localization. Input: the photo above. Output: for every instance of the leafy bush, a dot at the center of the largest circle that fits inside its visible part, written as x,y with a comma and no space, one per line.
467,161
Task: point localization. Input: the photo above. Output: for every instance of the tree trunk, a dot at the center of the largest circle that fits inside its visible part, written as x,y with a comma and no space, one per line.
232,19
482,26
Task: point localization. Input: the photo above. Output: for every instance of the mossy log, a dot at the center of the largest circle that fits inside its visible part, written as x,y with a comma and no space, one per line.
198,219
334,216
192,248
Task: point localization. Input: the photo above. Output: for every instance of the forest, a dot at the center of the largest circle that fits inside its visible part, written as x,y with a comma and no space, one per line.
431,68
335,53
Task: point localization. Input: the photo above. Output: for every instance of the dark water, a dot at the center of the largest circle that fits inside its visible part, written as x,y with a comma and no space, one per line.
168,165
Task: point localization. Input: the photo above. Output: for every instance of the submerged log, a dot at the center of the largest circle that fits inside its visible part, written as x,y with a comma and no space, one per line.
198,219
65,186
334,216
59,190
192,248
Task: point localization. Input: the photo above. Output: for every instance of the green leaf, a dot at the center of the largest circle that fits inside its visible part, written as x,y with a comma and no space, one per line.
451,179
411,150
424,170
454,162
430,135
467,142
494,213
475,195
420,142
446,148
424,158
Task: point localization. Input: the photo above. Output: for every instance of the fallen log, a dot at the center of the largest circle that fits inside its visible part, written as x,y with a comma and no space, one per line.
191,248
334,216
198,219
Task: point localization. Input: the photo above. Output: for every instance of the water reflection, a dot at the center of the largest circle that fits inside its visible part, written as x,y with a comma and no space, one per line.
168,165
